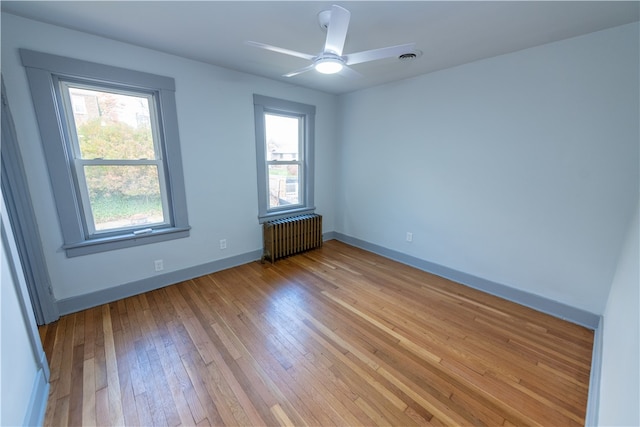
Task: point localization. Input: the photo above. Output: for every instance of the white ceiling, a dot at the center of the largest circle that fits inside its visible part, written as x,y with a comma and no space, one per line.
448,33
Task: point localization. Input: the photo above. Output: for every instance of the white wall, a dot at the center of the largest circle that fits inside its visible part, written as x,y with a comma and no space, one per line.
620,384
520,169
215,119
19,367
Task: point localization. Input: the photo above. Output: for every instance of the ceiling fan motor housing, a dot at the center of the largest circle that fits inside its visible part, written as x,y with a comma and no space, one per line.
328,63
323,19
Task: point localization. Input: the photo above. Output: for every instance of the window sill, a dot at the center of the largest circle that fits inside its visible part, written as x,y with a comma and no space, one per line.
128,240
284,214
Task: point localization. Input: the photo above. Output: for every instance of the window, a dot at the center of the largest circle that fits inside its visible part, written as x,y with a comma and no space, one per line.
116,158
284,146
111,144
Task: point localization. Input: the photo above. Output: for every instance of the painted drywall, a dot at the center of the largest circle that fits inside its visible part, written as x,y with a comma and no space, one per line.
620,372
520,169
19,369
18,366
215,119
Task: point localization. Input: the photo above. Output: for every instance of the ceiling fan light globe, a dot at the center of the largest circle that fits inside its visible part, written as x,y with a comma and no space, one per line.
328,66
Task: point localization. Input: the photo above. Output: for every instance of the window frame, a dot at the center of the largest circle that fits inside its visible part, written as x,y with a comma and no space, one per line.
299,162
306,113
78,162
44,72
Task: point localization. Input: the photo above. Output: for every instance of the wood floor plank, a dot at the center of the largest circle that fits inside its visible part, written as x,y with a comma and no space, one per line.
175,406
156,410
281,416
314,374
334,336
89,334
225,366
66,356
102,408
76,392
116,415
200,389
188,405
61,412
89,393
143,409
298,370
121,339
133,335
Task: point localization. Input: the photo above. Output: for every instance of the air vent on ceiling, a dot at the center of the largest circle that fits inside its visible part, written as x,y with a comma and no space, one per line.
410,56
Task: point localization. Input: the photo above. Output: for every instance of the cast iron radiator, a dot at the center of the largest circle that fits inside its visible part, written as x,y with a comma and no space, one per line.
289,236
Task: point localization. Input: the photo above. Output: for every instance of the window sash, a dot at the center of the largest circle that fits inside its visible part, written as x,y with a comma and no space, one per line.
67,107
300,162
83,189
300,189
300,119
301,174
79,163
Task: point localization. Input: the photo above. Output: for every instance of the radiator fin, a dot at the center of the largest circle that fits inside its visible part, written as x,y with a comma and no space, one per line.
290,236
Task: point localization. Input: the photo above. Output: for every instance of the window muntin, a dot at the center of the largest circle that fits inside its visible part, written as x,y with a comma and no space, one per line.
285,148
117,158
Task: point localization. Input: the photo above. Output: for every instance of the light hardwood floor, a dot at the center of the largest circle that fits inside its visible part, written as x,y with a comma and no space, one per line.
335,336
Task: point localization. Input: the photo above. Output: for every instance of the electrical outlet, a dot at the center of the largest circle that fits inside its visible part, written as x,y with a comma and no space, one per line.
223,243
409,237
159,264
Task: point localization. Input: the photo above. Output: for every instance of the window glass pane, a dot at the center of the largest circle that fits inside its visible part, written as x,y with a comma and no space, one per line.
282,137
124,196
112,125
284,185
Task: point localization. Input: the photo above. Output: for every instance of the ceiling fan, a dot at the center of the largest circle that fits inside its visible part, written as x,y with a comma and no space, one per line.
331,60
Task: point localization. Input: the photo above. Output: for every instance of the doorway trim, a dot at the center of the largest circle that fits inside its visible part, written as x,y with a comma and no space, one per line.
15,191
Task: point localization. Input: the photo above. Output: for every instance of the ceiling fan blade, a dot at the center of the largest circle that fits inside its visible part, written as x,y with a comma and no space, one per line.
374,54
280,50
300,71
337,29
349,73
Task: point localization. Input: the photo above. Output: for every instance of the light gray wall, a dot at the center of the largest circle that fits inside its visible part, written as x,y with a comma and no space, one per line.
18,366
22,374
520,169
620,384
215,115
